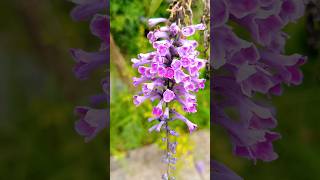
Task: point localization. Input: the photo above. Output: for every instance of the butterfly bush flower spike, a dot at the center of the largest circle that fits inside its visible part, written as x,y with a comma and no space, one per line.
170,73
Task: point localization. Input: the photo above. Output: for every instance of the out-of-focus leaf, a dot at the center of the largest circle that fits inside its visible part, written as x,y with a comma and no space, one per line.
155,4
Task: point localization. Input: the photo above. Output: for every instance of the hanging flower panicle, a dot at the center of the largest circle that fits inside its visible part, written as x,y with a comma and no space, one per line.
170,73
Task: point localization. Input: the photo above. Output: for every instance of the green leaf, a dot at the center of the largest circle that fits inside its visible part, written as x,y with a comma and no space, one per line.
155,4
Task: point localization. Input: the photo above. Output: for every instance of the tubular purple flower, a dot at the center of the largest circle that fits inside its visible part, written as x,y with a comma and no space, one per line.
188,31
169,73
157,111
291,10
162,71
168,95
191,126
262,30
91,122
161,35
137,81
260,150
287,66
220,13
137,63
147,56
185,61
137,100
87,62
184,50
142,70
199,27
174,29
179,75
163,50
147,88
99,27
157,127
226,44
154,21
166,113
176,64
151,37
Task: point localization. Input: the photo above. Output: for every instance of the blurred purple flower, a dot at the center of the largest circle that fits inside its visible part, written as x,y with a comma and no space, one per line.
85,9
86,62
200,167
99,28
242,69
92,121
222,172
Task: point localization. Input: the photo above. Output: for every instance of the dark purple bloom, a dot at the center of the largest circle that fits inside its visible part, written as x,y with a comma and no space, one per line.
262,149
99,27
87,8
222,172
91,122
87,62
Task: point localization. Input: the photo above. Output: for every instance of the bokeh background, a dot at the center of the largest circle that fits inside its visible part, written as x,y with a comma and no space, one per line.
298,116
38,92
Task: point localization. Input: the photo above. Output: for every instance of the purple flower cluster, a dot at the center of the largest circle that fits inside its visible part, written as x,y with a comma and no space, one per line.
92,120
243,69
171,72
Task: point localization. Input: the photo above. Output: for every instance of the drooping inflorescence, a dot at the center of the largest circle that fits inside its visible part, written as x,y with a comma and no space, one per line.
170,73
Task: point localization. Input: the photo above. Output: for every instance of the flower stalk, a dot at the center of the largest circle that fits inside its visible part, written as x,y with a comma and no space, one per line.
170,73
